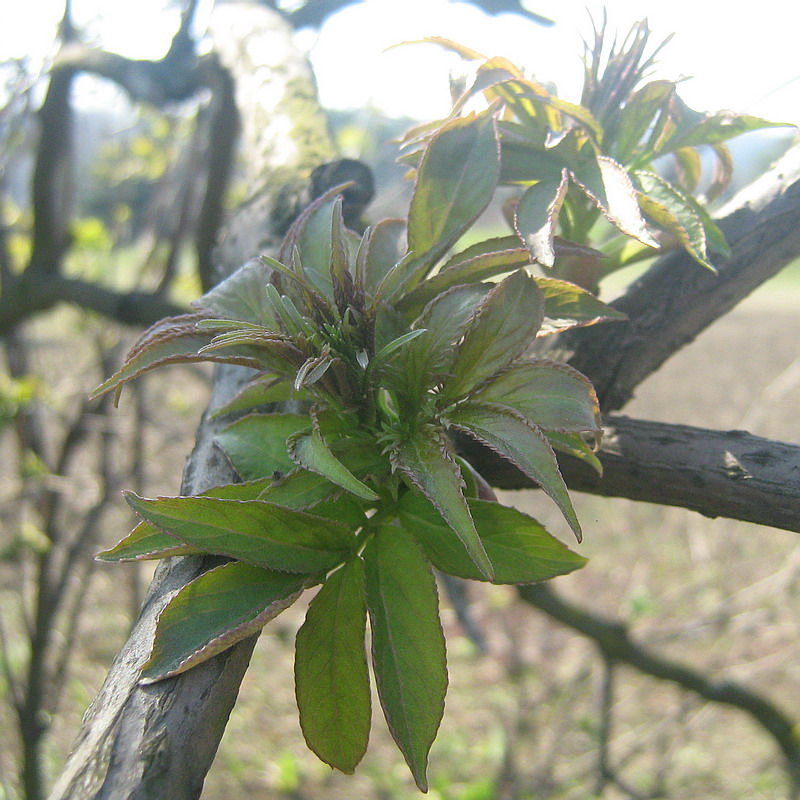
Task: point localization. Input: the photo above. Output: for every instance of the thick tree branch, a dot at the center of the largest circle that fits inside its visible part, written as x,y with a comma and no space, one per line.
717,473
157,741
613,639
677,299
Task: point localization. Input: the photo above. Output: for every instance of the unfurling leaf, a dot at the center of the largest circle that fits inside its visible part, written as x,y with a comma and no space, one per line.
408,650
309,450
510,435
330,669
214,612
520,549
427,461
262,534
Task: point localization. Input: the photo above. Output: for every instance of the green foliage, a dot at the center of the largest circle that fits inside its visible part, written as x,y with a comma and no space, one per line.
387,343
578,164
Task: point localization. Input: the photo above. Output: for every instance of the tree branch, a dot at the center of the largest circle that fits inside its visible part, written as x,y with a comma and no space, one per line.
677,299
34,292
716,473
159,740
613,639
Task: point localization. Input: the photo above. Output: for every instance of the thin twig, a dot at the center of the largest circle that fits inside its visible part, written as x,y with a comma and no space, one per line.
613,639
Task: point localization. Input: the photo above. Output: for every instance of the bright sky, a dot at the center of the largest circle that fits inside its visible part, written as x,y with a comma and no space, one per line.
739,56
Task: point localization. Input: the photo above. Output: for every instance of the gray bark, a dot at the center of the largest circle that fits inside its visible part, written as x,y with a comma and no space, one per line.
716,473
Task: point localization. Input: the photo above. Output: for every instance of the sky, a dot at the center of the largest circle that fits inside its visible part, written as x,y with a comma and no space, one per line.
741,57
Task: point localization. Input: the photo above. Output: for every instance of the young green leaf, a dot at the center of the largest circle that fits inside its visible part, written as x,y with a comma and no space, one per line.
520,549
299,489
174,340
455,182
309,450
242,296
716,128
426,460
673,210
636,118
408,649
330,670
262,534
503,328
310,236
512,436
610,187
256,444
537,216
573,444
553,396
215,611
424,362
146,541
569,306
261,391
383,246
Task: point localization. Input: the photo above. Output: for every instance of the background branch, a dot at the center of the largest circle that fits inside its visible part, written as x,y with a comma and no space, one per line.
613,639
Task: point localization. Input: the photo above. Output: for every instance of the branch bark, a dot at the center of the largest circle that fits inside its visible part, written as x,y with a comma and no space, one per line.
677,299
729,474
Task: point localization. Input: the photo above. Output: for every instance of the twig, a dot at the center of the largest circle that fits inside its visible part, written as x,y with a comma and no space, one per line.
613,639
14,687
